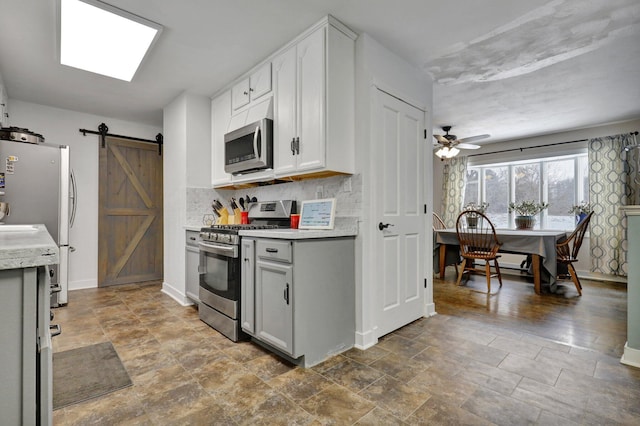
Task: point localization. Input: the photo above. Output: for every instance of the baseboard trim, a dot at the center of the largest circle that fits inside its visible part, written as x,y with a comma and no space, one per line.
176,295
630,356
430,310
365,340
82,284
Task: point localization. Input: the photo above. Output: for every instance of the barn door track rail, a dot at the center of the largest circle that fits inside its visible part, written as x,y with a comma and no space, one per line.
103,132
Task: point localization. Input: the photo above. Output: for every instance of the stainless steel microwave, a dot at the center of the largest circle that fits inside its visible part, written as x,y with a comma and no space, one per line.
249,148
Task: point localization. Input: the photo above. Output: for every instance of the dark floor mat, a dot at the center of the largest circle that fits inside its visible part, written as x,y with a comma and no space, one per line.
85,373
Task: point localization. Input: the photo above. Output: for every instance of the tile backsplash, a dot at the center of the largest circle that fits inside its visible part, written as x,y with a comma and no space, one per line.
348,202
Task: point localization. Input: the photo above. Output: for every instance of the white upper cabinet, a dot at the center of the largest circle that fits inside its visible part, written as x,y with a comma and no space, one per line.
252,88
314,105
220,117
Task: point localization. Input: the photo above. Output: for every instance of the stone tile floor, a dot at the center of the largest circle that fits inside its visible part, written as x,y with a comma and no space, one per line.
439,370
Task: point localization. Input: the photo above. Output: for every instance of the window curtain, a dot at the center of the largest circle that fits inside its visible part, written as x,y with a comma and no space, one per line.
611,174
455,174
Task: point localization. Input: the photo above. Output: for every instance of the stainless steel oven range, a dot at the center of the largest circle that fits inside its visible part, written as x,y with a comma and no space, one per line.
220,265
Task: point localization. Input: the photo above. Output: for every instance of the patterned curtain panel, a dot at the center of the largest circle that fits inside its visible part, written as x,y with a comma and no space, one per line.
455,173
611,173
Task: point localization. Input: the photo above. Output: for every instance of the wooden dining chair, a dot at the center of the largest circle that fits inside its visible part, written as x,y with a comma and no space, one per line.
451,252
478,242
567,251
438,223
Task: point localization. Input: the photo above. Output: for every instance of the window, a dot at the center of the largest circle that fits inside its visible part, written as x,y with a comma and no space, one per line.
560,181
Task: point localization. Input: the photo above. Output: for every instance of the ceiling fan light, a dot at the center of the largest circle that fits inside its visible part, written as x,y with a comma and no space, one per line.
446,152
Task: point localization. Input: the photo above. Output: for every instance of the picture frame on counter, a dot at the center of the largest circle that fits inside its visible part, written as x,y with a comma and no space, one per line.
318,214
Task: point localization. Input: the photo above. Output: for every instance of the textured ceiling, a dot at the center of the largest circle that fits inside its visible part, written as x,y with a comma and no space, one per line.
510,69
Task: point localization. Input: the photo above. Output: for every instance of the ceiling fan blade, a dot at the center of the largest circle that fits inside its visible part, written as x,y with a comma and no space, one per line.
467,146
441,139
473,138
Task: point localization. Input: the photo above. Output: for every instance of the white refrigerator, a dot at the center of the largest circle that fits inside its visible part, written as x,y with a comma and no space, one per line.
37,183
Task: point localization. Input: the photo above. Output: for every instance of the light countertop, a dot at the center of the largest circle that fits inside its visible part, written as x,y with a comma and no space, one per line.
344,227
25,246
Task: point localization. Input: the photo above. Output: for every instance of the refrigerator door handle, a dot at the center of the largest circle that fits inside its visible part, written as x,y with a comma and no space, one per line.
74,199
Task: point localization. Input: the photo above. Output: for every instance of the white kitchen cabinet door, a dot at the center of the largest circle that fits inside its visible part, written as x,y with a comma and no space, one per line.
247,290
311,101
299,80
260,82
274,304
220,117
240,94
252,88
285,115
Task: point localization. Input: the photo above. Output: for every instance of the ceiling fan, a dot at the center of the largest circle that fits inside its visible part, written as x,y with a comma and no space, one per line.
450,145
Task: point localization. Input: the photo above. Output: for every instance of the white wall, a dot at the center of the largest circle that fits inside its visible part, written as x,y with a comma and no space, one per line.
60,126
187,138
376,65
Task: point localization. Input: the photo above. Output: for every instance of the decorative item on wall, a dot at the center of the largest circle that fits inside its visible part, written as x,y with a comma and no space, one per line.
525,213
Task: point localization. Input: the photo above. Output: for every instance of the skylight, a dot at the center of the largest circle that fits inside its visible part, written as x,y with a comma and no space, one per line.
100,38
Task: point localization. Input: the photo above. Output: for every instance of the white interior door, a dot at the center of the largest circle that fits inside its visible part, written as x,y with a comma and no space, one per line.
399,198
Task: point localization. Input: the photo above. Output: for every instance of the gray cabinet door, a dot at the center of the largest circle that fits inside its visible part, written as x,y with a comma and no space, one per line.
192,273
247,291
274,304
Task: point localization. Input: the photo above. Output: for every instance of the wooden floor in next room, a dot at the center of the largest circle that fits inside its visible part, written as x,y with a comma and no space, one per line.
509,358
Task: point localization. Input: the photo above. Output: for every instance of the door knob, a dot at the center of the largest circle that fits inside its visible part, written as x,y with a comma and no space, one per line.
382,226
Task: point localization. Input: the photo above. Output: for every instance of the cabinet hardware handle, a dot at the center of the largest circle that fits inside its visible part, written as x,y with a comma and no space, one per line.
245,93
56,329
192,238
293,146
251,89
298,145
286,293
272,250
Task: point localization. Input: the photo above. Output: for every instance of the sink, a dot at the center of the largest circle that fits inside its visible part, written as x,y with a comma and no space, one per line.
18,228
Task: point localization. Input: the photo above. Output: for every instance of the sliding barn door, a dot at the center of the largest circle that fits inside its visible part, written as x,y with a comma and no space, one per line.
130,213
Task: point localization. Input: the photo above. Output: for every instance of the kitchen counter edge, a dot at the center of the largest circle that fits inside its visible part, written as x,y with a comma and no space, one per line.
345,227
25,249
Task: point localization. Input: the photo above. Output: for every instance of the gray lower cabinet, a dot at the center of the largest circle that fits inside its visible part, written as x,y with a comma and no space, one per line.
25,357
274,305
192,264
298,296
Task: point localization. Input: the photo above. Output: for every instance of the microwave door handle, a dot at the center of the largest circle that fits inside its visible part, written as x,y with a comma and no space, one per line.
256,149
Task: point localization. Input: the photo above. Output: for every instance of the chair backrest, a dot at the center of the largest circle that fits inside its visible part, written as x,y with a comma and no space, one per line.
576,237
477,235
437,222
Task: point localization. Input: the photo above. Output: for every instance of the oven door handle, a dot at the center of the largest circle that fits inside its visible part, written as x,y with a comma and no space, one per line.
228,251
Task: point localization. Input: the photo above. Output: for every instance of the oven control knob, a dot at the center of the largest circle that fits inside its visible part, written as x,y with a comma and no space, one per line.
227,239
213,237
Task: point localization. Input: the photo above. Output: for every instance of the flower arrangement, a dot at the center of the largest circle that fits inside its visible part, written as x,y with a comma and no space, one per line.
582,208
479,207
527,208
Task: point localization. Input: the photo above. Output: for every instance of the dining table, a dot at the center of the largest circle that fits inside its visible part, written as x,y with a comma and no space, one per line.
540,244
